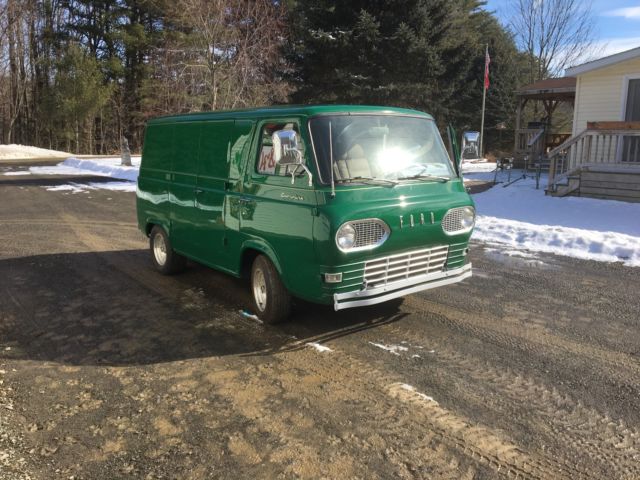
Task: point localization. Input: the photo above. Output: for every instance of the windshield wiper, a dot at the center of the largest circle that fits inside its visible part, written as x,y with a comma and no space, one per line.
425,175
368,180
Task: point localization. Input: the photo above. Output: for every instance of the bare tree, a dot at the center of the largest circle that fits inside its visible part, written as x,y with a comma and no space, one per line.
555,33
224,54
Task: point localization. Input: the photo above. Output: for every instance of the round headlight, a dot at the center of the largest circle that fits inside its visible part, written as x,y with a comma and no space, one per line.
346,237
468,217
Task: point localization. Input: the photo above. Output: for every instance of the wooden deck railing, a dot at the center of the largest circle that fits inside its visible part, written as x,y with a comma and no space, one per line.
600,143
524,137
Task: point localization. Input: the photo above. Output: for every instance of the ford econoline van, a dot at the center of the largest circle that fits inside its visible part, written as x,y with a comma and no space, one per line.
341,205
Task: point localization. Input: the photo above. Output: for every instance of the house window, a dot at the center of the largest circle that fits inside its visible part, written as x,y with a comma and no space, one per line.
631,145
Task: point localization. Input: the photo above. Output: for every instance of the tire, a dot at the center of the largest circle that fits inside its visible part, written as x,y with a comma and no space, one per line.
271,300
164,258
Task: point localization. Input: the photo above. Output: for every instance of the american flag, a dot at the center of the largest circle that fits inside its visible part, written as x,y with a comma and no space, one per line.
487,61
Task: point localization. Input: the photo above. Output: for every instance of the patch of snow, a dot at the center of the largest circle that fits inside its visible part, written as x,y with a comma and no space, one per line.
85,187
413,390
477,167
20,172
114,186
71,188
318,347
395,349
523,218
12,152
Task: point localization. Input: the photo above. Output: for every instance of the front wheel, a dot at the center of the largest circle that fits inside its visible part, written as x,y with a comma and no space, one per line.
271,300
164,258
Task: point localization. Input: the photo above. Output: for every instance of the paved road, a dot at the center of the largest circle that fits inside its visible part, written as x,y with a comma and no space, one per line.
531,369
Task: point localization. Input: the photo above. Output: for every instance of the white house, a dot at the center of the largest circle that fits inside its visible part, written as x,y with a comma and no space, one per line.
602,156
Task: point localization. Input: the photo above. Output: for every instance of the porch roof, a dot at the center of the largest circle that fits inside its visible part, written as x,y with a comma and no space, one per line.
560,89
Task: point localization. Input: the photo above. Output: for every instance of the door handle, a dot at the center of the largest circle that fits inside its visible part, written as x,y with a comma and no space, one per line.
198,191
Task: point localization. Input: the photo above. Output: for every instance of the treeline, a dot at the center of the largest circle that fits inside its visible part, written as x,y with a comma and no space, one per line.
77,75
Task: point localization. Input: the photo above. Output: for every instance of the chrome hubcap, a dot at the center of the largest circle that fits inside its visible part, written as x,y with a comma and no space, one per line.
260,289
160,249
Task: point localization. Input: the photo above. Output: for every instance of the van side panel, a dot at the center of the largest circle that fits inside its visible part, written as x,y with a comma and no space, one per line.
183,185
154,178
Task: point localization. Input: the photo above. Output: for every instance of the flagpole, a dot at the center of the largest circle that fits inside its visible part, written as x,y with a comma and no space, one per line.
484,96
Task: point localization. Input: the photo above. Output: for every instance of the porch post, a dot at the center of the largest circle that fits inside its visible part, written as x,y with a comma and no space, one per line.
518,121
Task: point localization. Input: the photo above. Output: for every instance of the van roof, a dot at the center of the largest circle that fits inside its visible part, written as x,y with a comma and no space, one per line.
285,110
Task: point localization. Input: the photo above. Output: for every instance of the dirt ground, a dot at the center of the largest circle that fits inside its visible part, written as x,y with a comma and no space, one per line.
531,369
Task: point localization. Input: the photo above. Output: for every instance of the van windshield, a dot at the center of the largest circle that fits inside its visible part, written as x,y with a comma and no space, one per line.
379,148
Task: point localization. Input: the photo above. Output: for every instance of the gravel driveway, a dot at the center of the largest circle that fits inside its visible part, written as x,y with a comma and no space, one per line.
530,369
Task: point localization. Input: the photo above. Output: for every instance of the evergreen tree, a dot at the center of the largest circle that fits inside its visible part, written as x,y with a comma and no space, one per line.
79,92
424,54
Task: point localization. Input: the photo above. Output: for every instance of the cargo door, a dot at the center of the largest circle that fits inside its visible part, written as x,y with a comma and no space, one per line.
186,136
213,181
155,177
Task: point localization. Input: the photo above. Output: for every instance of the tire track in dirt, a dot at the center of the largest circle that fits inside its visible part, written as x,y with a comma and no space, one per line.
478,443
617,365
69,220
588,433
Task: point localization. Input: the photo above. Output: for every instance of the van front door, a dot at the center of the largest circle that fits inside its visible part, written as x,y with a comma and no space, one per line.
276,215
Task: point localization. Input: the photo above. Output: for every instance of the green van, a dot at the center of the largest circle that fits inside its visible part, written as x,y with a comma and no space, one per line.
336,204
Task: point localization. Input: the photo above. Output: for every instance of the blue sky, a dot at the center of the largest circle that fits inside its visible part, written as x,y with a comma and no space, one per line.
617,22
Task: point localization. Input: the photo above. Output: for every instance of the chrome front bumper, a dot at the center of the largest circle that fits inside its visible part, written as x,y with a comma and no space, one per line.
371,296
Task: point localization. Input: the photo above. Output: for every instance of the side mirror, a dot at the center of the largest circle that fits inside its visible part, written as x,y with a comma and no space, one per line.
286,152
455,149
285,147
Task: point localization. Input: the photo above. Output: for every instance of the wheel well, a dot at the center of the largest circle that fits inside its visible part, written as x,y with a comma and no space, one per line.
248,256
148,228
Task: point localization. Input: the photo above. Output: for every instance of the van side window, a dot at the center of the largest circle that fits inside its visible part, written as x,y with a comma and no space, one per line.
266,163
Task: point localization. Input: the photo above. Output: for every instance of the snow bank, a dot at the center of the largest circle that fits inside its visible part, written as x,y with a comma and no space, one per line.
572,242
106,167
13,152
521,217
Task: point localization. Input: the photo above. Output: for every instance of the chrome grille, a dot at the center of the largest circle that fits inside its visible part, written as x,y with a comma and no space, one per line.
383,271
370,233
452,221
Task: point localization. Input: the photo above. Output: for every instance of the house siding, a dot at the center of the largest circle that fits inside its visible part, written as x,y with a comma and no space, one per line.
599,94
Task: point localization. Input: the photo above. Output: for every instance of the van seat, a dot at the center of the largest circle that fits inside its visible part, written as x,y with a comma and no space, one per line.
354,163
